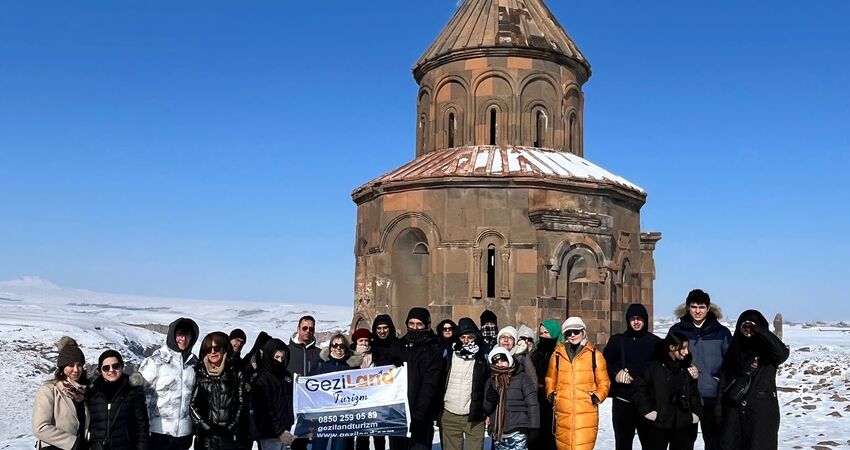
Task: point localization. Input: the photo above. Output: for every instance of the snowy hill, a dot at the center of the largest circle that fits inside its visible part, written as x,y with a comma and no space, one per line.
814,384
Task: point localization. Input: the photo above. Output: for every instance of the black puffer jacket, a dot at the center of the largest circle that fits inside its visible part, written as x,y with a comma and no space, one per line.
665,386
381,347
756,424
217,405
631,350
271,394
522,409
125,414
424,358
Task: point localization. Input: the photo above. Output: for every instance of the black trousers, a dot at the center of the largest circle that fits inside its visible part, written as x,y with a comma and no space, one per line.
166,442
363,442
299,444
627,421
417,441
677,439
710,430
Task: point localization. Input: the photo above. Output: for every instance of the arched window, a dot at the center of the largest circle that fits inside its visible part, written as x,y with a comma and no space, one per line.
573,130
493,126
540,124
452,127
491,271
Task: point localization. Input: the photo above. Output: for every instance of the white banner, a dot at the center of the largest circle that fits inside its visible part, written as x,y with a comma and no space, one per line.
370,402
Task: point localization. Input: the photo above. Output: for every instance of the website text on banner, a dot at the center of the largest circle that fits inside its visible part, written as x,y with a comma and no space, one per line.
358,402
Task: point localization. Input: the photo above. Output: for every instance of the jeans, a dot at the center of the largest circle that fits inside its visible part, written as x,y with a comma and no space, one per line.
513,441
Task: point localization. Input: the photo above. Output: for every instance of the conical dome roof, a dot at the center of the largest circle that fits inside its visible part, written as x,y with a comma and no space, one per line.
501,26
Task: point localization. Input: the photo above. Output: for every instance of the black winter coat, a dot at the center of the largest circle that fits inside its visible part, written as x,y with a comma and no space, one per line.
425,371
271,394
304,357
480,374
666,386
755,425
125,415
632,350
523,410
217,406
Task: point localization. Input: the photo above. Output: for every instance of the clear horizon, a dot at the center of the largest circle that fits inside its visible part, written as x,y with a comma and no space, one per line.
209,151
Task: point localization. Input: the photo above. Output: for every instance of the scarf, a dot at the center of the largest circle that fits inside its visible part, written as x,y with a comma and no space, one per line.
75,391
418,336
214,370
488,332
365,352
501,379
467,352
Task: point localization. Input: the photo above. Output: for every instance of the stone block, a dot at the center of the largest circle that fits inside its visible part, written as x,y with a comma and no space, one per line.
466,310
395,202
526,261
527,315
457,285
495,217
457,260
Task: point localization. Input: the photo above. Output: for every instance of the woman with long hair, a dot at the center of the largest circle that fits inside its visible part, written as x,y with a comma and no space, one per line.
667,396
217,397
60,416
116,401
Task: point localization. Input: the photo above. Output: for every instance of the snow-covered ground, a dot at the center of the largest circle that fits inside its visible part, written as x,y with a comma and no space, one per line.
814,384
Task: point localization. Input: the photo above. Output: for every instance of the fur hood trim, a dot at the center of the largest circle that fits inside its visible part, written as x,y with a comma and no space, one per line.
682,311
352,359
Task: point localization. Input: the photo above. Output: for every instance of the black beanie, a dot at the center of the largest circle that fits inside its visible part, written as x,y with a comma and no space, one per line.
467,326
420,313
699,297
69,352
488,316
238,334
109,354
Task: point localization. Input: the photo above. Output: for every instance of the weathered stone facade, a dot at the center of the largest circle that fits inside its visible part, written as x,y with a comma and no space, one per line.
499,209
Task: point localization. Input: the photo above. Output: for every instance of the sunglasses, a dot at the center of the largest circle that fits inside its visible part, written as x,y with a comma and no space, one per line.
116,366
573,332
306,328
216,349
448,328
337,345
527,339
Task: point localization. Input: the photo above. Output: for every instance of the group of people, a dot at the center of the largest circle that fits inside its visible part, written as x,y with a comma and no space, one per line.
464,379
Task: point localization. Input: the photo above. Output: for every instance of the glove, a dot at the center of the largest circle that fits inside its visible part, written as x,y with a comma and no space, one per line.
623,377
533,434
651,416
286,438
551,397
594,399
694,418
693,371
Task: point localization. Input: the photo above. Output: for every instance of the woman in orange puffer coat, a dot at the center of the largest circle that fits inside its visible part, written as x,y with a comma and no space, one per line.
576,383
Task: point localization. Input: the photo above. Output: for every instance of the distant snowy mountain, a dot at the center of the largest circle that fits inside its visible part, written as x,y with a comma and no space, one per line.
814,385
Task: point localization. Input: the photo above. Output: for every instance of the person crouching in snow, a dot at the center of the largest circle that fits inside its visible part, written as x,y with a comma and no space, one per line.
511,401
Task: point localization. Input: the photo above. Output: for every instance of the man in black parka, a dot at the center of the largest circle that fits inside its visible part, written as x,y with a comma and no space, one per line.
421,350
626,355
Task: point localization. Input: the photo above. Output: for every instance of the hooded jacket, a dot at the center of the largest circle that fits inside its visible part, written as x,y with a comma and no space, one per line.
380,347
328,364
217,405
271,393
666,386
305,356
754,425
707,344
122,419
447,344
631,350
169,380
522,408
574,380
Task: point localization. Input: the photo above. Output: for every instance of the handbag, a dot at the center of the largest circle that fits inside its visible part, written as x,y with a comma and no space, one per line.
735,392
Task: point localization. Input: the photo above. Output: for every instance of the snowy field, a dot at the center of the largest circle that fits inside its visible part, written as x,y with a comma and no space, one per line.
814,394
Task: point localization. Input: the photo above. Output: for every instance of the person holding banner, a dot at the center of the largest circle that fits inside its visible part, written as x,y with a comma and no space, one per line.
463,399
271,396
336,357
511,402
420,349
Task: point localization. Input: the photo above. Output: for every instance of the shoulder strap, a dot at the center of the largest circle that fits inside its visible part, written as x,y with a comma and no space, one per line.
593,364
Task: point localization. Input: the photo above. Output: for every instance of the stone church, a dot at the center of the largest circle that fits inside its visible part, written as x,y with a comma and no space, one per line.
500,209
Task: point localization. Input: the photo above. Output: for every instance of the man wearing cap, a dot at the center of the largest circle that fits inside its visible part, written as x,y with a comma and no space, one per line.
169,375
708,341
576,383
420,349
463,416
627,354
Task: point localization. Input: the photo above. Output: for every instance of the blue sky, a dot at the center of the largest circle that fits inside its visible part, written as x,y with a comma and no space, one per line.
208,149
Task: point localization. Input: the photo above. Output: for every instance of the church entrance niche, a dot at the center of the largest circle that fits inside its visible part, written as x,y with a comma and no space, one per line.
572,284
411,261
